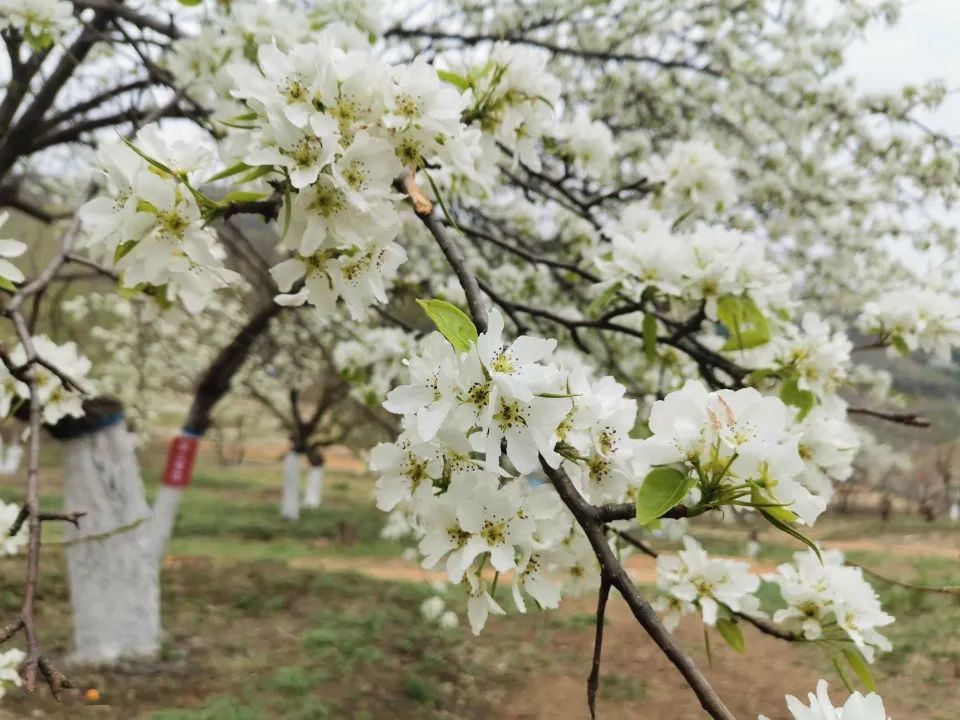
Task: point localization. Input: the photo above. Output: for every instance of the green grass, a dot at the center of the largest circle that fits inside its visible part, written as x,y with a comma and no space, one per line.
261,637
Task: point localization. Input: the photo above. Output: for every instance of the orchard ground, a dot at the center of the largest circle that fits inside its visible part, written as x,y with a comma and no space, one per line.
320,619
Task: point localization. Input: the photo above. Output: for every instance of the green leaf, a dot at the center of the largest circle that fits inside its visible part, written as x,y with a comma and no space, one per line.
791,394
443,205
257,173
38,42
789,530
123,249
287,206
238,167
189,3
843,676
452,322
746,324
759,375
156,163
650,337
603,299
778,510
458,81
238,196
900,345
6,284
661,490
730,631
860,667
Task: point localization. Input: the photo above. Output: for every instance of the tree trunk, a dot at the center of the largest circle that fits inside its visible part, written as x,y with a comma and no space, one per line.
313,495
290,498
955,512
114,579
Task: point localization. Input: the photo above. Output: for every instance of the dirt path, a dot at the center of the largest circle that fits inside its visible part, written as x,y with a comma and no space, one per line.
639,682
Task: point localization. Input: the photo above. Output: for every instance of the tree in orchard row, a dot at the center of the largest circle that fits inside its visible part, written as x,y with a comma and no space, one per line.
656,328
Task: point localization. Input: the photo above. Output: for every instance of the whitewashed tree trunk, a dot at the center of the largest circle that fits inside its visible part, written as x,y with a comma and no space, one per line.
166,505
955,512
313,495
290,498
114,577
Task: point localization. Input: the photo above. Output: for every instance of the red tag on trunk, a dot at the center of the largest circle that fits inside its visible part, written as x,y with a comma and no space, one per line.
183,453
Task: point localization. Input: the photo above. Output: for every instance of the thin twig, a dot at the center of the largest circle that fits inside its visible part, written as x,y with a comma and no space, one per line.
593,681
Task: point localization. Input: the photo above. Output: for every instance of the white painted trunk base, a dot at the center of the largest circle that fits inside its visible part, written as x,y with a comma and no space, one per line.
313,495
114,578
165,507
290,497
955,512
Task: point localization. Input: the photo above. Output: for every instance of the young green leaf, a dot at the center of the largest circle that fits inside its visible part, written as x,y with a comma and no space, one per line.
747,325
839,668
650,337
458,81
238,167
860,667
778,510
900,345
156,163
122,249
661,490
238,196
452,322
791,394
789,530
730,631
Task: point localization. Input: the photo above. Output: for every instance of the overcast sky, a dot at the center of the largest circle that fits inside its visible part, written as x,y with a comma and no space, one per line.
925,44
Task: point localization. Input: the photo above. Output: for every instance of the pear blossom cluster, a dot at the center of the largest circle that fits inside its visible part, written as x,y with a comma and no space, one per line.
700,265
10,662
691,581
372,361
741,446
41,21
589,143
237,32
341,127
828,599
473,506
10,544
57,400
812,353
513,97
823,600
696,177
857,707
915,318
148,219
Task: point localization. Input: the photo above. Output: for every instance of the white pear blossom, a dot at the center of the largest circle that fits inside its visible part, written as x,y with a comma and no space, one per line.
591,144
821,707
10,249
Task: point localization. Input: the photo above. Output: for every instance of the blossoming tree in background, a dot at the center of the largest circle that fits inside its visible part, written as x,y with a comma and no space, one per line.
662,220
